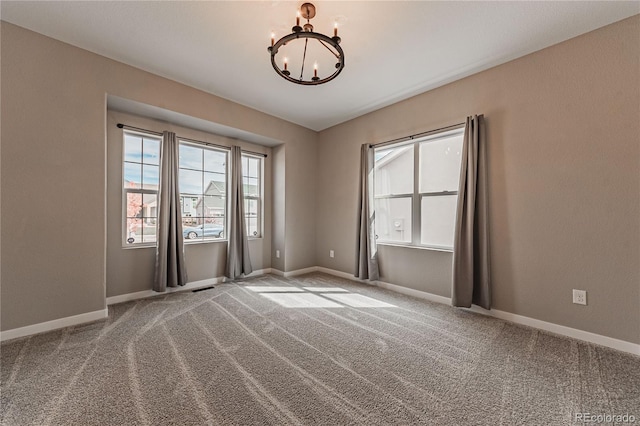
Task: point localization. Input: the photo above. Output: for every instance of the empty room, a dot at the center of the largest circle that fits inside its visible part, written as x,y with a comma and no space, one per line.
332,213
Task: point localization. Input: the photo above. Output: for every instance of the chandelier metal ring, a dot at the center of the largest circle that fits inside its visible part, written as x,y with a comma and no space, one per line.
307,33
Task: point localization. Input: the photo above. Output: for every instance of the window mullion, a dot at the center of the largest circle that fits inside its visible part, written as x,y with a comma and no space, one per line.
415,199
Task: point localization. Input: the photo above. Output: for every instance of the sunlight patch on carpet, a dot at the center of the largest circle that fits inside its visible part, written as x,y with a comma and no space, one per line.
300,300
358,301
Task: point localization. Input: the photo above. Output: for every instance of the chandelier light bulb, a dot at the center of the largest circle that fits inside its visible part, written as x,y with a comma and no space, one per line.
273,38
335,29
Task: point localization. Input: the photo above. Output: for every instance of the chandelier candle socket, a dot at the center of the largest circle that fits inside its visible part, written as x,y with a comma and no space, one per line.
306,34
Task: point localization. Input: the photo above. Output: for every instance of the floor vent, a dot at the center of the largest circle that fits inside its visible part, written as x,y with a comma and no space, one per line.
202,289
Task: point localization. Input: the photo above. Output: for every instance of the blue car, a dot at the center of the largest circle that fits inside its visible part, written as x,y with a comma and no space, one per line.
205,230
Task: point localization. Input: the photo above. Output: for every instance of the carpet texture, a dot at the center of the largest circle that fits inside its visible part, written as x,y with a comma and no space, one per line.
313,349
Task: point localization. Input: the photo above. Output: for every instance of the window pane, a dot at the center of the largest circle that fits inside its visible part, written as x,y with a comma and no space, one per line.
253,168
245,165
438,219
132,148
251,187
150,177
188,205
214,183
215,161
394,171
132,175
251,208
213,206
393,219
210,229
440,164
148,230
134,231
192,229
151,151
190,157
187,222
218,220
134,204
252,226
190,182
150,206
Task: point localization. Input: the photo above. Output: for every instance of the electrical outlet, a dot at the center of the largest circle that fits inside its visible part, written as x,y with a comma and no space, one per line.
278,254
579,297
331,254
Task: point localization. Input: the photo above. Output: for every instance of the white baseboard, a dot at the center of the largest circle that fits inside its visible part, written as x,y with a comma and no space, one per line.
415,293
259,272
301,271
53,324
194,285
562,330
610,342
294,273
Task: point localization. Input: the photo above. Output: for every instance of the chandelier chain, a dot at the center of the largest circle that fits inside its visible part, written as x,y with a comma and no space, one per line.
329,49
304,55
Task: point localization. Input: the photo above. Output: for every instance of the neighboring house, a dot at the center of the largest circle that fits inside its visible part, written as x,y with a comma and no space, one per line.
212,204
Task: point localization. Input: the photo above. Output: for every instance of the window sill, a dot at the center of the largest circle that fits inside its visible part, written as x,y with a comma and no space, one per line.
442,249
186,242
196,242
138,246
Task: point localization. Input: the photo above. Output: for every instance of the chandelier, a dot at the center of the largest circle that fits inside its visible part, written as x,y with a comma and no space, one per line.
297,36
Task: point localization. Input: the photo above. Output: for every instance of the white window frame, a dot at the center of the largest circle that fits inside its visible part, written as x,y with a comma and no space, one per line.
260,197
416,196
125,191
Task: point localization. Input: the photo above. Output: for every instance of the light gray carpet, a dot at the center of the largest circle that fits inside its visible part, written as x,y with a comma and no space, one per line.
243,355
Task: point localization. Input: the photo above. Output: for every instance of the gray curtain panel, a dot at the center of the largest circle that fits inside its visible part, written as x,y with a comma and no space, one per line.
471,274
170,270
366,252
238,261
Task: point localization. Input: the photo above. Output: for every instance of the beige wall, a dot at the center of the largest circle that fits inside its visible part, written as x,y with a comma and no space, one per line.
564,161
54,170
563,133
131,269
278,202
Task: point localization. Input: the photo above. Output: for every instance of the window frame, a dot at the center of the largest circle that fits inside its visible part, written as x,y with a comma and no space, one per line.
125,191
259,198
227,151
416,196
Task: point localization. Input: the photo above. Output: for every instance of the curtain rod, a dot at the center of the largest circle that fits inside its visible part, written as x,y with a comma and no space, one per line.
122,126
417,135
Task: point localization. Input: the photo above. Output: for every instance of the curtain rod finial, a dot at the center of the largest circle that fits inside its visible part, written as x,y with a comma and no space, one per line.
120,125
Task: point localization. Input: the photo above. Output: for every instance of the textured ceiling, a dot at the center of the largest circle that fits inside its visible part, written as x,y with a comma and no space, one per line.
393,50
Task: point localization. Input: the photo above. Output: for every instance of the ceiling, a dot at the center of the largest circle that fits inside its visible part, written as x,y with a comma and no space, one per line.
393,49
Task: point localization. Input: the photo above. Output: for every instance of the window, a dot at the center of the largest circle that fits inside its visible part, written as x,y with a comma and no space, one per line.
252,190
416,190
203,190
202,177
141,177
